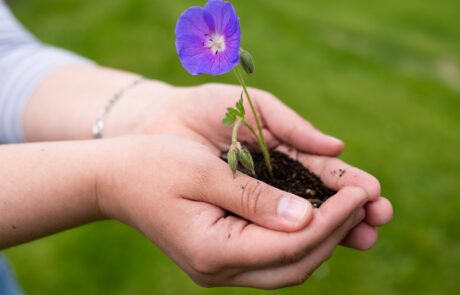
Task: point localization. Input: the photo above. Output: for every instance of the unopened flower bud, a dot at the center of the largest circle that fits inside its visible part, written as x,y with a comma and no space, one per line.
232,159
246,61
246,160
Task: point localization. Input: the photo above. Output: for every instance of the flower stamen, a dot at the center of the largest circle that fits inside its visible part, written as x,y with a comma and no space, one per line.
215,42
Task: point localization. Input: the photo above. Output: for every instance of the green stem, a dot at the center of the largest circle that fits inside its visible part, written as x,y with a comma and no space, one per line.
251,129
235,130
260,137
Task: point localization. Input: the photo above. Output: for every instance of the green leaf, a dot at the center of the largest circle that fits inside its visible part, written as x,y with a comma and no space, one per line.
240,106
233,112
228,120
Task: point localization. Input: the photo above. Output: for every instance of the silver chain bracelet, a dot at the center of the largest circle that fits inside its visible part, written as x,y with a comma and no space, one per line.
98,126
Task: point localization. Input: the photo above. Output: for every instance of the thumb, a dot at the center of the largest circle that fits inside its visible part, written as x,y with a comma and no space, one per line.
252,199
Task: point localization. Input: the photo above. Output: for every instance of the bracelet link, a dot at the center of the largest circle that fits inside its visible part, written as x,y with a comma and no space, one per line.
97,129
98,126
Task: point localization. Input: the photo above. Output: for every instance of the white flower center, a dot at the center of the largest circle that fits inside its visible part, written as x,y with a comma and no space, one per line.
215,43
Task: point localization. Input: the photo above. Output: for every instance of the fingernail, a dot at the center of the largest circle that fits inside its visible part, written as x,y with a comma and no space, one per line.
291,208
335,139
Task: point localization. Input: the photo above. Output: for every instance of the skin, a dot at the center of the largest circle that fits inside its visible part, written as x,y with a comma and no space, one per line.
175,135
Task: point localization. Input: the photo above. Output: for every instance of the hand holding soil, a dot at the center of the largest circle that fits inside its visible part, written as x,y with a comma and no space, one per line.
185,192
196,113
183,187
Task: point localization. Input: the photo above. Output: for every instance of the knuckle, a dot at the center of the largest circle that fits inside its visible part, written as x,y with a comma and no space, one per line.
367,182
203,265
251,195
202,258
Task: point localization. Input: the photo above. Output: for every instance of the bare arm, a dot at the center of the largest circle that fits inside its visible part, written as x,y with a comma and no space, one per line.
46,188
67,102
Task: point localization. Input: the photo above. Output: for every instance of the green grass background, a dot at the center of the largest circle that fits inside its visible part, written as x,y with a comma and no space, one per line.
382,75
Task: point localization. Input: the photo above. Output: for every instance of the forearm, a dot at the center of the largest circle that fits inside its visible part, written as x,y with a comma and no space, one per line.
68,101
46,188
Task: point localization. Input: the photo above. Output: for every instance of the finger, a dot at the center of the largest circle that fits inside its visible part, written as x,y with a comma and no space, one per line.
340,207
337,174
247,197
362,237
271,140
292,129
253,246
379,212
298,272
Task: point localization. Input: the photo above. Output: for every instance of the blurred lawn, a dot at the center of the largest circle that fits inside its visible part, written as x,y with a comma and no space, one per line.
382,75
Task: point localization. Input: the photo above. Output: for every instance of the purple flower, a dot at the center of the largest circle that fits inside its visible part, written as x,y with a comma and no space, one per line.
208,39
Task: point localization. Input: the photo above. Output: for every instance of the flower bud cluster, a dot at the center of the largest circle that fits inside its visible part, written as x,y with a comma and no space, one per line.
238,153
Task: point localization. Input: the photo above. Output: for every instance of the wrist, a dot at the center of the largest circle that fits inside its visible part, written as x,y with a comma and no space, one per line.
75,95
114,179
141,110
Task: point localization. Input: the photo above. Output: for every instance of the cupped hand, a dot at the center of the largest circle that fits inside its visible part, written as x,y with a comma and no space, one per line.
178,193
197,112
336,175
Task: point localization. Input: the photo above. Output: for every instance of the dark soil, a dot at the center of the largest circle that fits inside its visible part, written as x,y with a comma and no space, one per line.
291,176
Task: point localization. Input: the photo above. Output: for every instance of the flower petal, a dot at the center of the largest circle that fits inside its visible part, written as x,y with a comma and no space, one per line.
195,21
191,52
193,29
224,15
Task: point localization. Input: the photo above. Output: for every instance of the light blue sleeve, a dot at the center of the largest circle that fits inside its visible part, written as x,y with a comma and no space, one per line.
8,284
24,61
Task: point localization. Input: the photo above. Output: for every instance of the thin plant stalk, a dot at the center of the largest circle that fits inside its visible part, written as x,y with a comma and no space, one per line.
235,131
259,137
